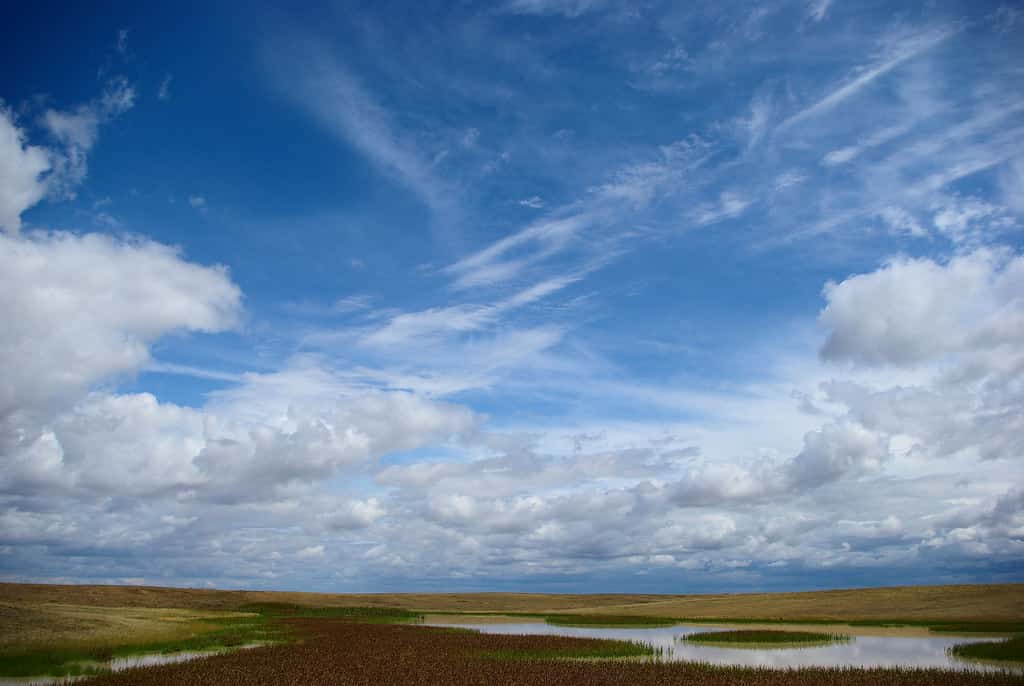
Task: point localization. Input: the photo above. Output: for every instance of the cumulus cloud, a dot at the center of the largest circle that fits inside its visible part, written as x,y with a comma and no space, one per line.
916,310
22,167
141,473
30,172
85,308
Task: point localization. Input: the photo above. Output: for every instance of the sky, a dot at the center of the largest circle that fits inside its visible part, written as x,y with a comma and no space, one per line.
533,295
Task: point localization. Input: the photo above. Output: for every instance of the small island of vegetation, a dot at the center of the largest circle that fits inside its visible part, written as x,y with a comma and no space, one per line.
762,638
1009,650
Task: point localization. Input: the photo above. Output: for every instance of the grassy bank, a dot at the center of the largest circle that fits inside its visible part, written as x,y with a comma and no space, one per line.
1010,650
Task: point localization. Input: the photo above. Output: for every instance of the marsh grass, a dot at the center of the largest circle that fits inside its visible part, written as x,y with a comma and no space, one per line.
1009,650
764,638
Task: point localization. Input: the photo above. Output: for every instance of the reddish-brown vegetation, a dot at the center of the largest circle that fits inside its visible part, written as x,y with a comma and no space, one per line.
339,652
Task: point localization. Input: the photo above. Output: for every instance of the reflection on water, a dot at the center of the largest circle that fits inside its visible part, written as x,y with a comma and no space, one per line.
860,651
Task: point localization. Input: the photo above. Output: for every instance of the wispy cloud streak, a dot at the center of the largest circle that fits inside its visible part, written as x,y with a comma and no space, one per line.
909,49
309,74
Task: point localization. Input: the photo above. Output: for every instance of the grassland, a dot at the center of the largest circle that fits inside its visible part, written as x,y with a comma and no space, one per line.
77,625
342,652
765,638
905,604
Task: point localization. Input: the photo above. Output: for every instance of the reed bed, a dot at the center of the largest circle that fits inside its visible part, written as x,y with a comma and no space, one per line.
1011,649
766,637
343,652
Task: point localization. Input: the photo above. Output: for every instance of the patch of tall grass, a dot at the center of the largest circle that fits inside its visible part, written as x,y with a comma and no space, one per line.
1009,650
767,637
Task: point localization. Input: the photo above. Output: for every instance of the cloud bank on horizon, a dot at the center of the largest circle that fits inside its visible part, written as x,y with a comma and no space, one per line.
536,295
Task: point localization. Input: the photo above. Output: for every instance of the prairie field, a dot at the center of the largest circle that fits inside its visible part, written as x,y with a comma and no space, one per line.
951,603
51,627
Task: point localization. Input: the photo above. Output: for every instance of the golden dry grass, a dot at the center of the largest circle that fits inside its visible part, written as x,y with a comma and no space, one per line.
26,625
32,614
963,603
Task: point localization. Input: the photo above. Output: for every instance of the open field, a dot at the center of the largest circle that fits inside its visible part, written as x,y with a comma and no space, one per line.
44,625
340,652
924,604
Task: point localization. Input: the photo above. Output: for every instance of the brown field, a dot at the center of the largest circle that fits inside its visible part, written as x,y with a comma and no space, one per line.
47,615
335,652
980,602
44,624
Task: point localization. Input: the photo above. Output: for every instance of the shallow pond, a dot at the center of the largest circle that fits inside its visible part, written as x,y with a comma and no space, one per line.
860,651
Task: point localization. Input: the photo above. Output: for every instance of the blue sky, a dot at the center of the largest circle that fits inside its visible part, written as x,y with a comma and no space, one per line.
536,294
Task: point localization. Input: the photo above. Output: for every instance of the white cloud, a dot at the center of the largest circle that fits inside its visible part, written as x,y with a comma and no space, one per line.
355,514
913,311
818,9
836,451
197,202
538,241
757,124
729,206
900,221
77,130
310,552
970,220
87,307
21,173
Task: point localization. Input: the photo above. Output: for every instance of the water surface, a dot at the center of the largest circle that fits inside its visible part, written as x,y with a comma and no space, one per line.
860,651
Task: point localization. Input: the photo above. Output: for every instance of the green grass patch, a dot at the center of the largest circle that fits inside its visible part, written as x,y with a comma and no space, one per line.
225,634
609,621
1010,650
48,663
767,637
